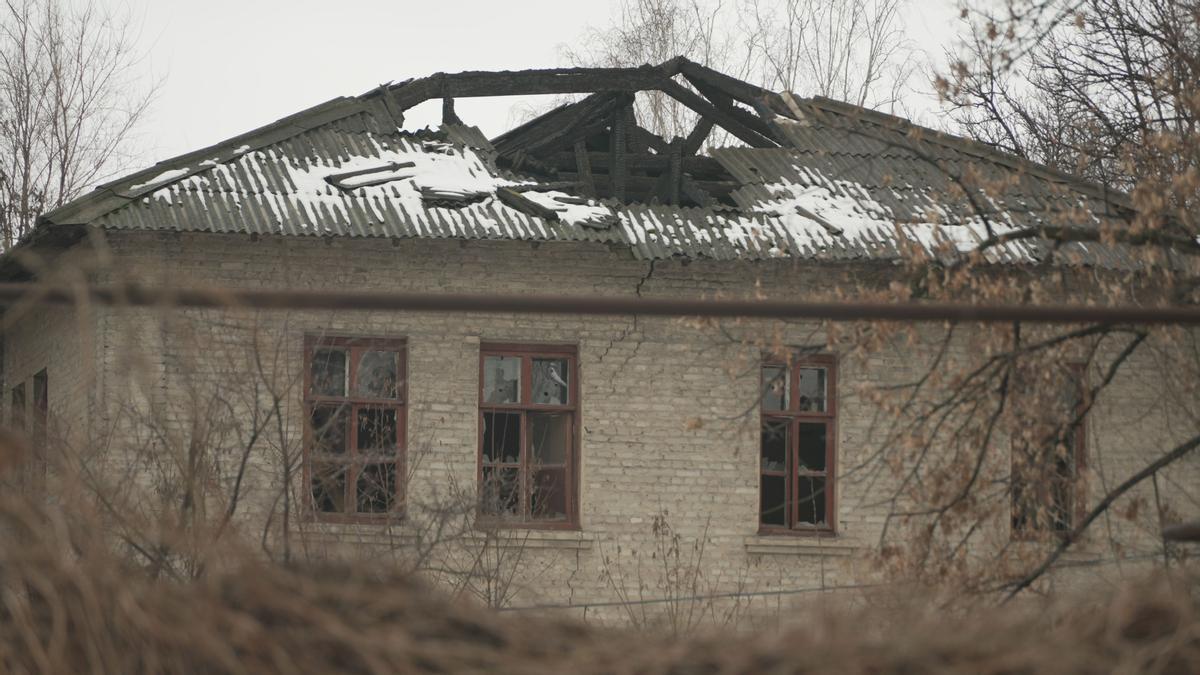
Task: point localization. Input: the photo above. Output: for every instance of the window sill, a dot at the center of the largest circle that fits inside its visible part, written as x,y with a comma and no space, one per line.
568,540
1081,553
820,546
394,535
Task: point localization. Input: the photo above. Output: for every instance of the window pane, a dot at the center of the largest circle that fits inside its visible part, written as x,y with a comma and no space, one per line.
548,495
773,504
378,375
549,438
1043,485
774,446
329,488
328,372
1062,489
377,488
502,379
811,500
500,492
775,388
377,429
550,378
812,448
812,389
501,438
329,429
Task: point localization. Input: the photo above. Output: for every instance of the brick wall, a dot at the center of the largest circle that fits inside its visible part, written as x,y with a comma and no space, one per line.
668,408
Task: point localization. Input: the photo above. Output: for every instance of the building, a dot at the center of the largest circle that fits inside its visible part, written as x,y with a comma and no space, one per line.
572,447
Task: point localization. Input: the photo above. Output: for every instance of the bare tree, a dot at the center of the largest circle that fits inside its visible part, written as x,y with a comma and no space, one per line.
655,31
69,100
982,452
852,50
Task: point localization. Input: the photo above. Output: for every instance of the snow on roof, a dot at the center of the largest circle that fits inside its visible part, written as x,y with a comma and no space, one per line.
842,186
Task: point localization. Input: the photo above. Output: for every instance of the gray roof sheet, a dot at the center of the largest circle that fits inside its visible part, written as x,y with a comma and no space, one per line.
850,185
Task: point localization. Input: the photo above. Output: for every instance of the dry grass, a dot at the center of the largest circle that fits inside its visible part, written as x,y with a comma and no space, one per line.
70,604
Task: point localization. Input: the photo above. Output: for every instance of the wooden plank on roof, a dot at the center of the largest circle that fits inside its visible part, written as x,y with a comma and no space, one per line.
724,119
526,205
724,102
695,140
526,83
737,89
583,165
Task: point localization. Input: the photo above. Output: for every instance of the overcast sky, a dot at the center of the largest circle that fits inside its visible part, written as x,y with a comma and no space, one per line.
229,66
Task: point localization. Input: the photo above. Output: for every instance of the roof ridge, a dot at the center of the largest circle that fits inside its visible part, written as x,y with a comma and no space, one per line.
968,146
110,196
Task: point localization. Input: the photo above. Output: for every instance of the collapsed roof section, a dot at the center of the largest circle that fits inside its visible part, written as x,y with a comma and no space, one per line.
813,179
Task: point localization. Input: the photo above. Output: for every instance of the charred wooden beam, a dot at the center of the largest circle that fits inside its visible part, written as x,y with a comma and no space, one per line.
698,166
338,180
526,83
583,165
526,205
641,139
721,117
448,114
734,88
695,140
725,102
523,161
577,121
618,147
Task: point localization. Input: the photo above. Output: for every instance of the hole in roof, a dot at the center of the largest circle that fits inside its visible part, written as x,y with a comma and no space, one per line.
655,168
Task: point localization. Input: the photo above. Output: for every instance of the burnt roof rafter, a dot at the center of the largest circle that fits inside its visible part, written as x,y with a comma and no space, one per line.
715,105
596,142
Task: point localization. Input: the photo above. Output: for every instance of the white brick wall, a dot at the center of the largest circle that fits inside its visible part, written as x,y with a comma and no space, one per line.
644,382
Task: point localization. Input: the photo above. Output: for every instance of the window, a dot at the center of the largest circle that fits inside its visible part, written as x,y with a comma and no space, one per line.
355,437
41,411
528,433
797,444
17,418
1047,461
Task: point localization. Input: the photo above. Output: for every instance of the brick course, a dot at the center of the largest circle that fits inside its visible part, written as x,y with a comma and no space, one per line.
669,421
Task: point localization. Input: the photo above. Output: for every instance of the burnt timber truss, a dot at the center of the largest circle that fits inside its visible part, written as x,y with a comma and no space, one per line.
596,145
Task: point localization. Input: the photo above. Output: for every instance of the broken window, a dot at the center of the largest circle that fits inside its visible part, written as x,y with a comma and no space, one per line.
1047,459
528,404
355,437
797,445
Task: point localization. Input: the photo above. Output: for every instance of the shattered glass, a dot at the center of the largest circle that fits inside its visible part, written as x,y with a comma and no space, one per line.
812,390
550,381
502,379
328,370
377,488
378,375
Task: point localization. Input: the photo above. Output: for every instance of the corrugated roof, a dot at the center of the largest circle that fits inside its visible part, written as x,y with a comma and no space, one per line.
850,185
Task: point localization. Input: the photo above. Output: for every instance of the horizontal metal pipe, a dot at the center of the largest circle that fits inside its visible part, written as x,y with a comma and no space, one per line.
292,299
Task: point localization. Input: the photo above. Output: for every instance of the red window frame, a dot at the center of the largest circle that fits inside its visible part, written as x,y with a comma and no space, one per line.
354,461
1031,529
794,417
528,353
